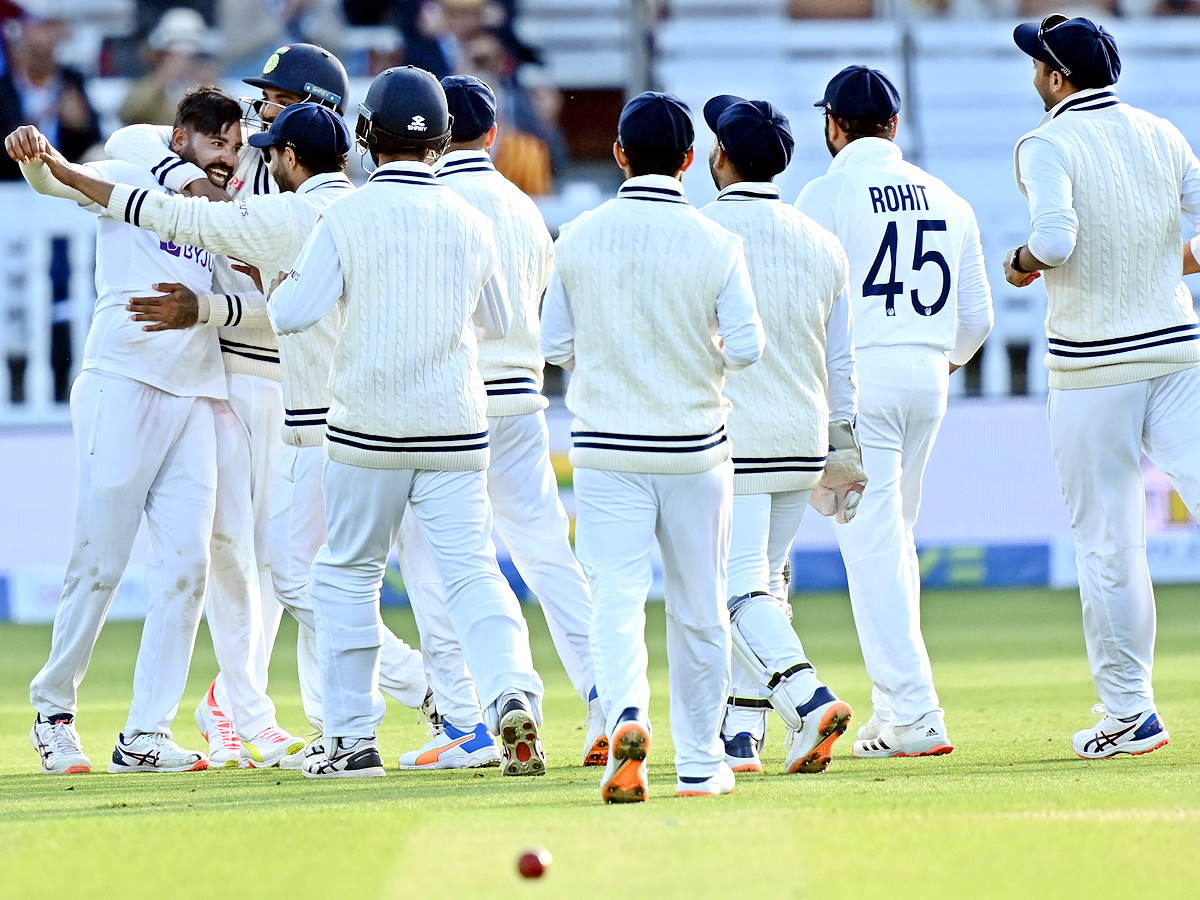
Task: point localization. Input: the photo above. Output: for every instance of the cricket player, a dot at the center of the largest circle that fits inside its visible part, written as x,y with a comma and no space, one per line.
1106,183
650,302
521,482
246,593
143,412
414,268
922,308
799,400
308,146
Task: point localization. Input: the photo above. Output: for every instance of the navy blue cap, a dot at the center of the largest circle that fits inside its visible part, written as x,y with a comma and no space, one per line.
656,123
473,105
756,136
1079,48
307,127
859,92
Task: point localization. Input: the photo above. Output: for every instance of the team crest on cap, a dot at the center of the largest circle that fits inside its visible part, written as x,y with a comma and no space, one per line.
417,123
274,60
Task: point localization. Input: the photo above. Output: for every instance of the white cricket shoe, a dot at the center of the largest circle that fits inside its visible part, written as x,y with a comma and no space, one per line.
872,729
58,744
521,747
154,752
270,747
451,748
723,782
224,745
925,737
823,719
344,758
595,744
1133,735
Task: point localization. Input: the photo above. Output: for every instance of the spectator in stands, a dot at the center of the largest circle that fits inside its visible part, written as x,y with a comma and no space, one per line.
36,90
251,29
180,53
436,31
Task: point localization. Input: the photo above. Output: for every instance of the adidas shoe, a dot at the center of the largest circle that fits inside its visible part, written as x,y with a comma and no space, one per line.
270,747
742,752
521,748
823,719
451,748
872,729
57,743
1111,736
595,744
715,785
224,745
625,772
925,737
344,758
154,752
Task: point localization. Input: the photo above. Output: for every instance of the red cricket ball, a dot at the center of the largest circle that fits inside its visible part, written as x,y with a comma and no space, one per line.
533,862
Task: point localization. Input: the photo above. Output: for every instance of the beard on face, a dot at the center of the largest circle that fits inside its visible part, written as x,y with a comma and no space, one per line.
712,165
279,172
828,143
219,174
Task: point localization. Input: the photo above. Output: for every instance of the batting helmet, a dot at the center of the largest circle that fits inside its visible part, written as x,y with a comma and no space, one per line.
308,70
405,108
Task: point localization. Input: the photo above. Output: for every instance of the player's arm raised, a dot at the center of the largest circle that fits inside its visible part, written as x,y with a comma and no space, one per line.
34,153
149,147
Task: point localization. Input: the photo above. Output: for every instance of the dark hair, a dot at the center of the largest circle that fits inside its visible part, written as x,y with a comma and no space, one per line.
320,163
384,143
654,162
751,172
861,128
207,109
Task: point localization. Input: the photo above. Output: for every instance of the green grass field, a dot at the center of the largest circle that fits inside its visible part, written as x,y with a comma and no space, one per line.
1011,813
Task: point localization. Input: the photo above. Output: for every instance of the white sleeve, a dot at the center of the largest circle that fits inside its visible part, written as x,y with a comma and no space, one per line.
312,288
493,314
738,324
149,147
1195,245
243,308
975,317
42,180
1190,200
839,360
558,326
1048,190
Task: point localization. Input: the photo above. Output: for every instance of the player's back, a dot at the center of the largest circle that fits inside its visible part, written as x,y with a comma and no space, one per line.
129,261
904,233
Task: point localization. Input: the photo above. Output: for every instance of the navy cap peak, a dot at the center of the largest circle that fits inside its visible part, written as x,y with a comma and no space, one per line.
1083,51
756,137
860,92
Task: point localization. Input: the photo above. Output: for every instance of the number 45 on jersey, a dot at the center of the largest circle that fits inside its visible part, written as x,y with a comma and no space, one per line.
889,251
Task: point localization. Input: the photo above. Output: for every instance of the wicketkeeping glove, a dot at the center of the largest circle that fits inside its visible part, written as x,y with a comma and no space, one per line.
844,479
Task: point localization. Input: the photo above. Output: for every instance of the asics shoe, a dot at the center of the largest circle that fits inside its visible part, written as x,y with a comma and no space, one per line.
595,744
925,737
270,747
154,752
742,752
521,748
57,743
344,758
625,773
224,745
823,719
451,748
872,729
721,783
1133,735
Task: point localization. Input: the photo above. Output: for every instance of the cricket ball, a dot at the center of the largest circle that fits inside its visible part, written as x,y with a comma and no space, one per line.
533,862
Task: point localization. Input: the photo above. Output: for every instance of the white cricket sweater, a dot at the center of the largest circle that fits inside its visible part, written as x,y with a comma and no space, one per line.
248,349
643,273
406,389
267,231
1118,310
512,366
778,425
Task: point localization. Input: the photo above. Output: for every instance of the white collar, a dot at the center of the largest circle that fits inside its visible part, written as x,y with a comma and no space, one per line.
750,190
406,169
866,149
662,188
1104,97
319,181
460,160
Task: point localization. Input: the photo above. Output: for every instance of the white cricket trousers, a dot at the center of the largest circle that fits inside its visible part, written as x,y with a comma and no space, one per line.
530,518
241,603
138,449
297,533
363,511
764,526
1098,436
619,514
901,401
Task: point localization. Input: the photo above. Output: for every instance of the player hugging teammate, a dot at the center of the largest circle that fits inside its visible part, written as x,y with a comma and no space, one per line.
731,366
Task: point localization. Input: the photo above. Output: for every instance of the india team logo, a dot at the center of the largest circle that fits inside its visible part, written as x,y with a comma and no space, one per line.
273,61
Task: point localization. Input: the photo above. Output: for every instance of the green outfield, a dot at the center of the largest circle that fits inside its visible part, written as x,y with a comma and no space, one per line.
1011,813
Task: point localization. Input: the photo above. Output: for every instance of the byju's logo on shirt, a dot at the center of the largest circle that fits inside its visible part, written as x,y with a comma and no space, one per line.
202,258
417,123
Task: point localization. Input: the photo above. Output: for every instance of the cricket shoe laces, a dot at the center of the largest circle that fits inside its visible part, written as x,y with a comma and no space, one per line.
58,744
1112,736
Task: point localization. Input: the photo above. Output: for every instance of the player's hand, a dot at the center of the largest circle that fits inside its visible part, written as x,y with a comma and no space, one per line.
26,144
176,309
954,368
255,275
1015,278
202,187
59,167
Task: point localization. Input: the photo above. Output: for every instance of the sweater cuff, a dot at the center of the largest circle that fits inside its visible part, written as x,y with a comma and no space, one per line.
175,174
204,307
